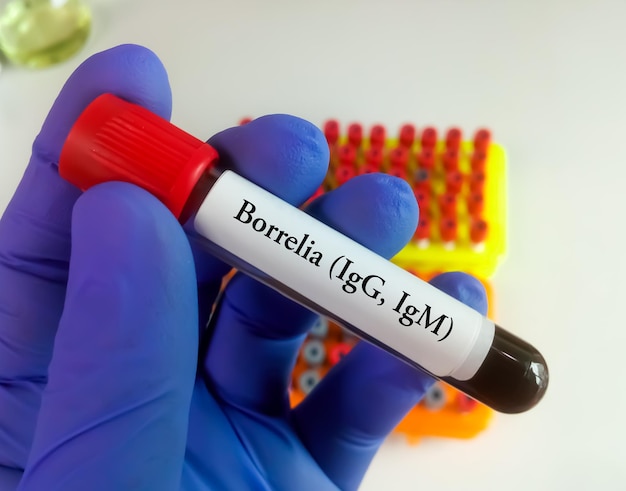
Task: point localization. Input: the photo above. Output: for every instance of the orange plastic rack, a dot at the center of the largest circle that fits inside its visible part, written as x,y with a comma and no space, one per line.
444,411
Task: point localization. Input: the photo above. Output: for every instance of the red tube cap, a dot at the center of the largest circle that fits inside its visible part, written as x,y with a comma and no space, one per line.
114,140
407,135
331,131
355,134
378,134
429,137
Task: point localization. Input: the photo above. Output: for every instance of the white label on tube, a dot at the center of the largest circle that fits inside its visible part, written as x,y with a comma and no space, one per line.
439,333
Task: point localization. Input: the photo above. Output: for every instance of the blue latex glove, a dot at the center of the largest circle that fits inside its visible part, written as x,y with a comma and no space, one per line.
108,378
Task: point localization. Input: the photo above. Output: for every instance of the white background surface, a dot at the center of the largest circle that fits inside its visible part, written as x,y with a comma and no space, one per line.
548,77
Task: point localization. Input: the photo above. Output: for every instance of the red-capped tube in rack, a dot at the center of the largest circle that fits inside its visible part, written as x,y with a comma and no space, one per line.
331,131
422,232
399,158
344,173
450,160
422,196
355,134
478,231
477,181
482,139
347,155
377,135
429,138
426,159
407,135
447,204
453,139
367,168
398,171
475,203
454,182
374,157
287,249
448,228
318,192
337,352
466,404
478,161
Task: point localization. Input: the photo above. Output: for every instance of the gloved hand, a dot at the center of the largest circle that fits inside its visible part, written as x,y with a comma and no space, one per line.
109,379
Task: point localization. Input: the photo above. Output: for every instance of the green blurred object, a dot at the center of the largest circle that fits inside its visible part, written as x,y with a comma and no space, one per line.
39,33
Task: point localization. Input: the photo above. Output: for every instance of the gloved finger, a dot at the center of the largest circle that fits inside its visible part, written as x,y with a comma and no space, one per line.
114,412
35,238
258,331
345,419
263,451
284,154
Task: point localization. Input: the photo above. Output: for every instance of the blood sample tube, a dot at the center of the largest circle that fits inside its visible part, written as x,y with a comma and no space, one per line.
450,160
478,161
482,139
422,232
454,182
399,158
407,135
337,351
448,229
465,404
344,173
453,139
422,197
377,136
475,203
347,155
477,182
478,231
429,138
331,132
318,192
367,169
311,263
426,159
374,158
355,135
397,171
447,204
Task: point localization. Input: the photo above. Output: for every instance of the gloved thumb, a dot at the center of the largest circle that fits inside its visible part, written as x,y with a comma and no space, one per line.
114,412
